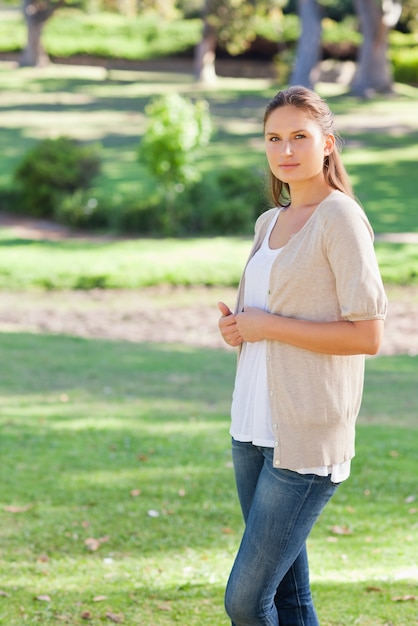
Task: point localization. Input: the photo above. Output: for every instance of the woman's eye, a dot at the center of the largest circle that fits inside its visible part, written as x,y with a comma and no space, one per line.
299,136
274,139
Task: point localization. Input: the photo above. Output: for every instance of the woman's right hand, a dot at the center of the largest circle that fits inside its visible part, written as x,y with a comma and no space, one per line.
228,326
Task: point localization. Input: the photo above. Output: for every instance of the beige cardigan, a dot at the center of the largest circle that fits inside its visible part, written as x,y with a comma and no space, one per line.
327,271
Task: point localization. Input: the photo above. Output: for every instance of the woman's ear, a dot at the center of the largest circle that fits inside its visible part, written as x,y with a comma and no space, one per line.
329,145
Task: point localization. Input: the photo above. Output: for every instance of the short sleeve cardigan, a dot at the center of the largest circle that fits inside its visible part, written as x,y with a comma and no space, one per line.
328,271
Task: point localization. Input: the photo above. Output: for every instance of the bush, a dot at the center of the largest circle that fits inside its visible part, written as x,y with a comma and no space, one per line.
140,215
226,202
241,199
11,200
52,169
83,209
177,128
405,65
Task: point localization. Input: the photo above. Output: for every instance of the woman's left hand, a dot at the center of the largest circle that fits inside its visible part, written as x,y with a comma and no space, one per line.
251,324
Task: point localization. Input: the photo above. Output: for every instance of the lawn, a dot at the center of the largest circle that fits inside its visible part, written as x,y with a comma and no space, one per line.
118,500
135,263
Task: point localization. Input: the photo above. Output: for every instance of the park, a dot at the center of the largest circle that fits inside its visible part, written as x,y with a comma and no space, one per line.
118,502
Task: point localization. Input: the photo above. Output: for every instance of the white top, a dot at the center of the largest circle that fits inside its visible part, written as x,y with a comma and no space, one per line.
251,410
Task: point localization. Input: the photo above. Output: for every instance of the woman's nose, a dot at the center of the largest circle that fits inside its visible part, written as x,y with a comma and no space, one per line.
287,147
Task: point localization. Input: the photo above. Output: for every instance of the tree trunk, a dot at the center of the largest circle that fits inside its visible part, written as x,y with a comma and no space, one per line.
373,72
205,53
36,16
309,44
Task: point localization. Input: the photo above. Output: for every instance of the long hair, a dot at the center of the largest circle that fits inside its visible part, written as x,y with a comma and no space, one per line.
317,109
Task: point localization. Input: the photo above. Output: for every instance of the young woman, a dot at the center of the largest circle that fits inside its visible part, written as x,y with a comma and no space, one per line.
310,305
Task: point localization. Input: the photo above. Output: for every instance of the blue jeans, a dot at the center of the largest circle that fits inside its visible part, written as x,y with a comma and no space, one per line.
269,582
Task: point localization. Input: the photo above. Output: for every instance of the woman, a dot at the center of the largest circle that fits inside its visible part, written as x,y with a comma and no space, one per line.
310,305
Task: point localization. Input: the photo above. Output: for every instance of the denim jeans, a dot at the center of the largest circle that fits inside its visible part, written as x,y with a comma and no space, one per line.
269,582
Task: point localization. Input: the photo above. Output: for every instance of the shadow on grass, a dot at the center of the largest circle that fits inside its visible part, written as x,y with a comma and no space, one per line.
85,422
128,443
386,190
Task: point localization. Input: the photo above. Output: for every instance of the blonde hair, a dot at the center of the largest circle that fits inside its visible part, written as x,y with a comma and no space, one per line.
317,109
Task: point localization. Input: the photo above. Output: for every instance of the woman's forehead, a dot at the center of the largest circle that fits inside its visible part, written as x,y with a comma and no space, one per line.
289,116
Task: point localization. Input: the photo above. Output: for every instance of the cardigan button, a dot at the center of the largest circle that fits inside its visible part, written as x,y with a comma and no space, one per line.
277,462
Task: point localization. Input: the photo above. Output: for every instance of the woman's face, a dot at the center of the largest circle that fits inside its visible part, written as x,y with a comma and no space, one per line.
295,145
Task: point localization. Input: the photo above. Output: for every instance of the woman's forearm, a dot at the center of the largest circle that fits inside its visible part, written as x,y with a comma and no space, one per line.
340,337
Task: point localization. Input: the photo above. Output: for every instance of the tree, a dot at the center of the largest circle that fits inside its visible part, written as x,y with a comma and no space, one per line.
231,23
373,72
36,14
309,43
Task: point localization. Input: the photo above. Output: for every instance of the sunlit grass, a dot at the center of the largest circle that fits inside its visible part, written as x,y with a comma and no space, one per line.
84,264
127,444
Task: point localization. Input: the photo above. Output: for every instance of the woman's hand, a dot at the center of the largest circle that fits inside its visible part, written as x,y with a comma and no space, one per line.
228,326
251,324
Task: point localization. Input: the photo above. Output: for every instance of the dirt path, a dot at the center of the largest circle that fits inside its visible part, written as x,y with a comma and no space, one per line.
163,314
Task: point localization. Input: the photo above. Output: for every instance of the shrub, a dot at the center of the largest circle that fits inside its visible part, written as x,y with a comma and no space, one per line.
83,209
176,129
405,65
227,202
241,199
52,169
11,200
138,214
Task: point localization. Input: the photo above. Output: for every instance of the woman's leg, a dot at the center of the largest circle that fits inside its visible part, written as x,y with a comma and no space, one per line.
269,582
293,598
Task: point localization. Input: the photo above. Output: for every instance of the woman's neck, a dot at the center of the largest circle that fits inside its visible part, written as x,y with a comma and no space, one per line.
305,198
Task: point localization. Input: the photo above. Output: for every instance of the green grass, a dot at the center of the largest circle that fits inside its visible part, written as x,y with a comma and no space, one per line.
77,264
95,434
84,264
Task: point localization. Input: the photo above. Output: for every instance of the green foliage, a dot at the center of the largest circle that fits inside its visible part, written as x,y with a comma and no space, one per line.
241,199
405,65
111,35
177,128
335,9
12,31
409,17
234,21
225,202
344,32
53,168
82,209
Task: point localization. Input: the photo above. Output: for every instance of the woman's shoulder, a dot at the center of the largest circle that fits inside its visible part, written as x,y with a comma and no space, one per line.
341,211
341,202
264,218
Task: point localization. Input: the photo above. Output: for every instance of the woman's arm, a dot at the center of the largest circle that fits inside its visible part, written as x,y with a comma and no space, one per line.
339,338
